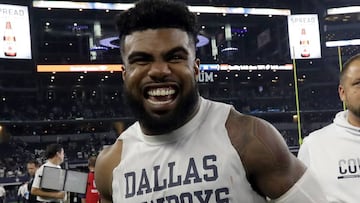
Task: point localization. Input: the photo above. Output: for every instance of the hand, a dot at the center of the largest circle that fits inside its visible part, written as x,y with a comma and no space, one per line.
61,195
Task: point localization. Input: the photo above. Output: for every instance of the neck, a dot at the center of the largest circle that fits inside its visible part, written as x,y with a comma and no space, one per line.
53,161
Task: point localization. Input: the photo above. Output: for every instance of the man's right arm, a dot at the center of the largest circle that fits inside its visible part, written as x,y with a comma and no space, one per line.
106,161
48,194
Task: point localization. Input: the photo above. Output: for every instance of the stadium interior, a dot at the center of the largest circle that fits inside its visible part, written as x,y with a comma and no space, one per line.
84,108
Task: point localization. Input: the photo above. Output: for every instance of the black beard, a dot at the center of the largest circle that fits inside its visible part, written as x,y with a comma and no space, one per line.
168,122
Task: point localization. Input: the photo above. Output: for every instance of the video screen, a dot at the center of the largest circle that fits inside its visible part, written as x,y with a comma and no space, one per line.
15,42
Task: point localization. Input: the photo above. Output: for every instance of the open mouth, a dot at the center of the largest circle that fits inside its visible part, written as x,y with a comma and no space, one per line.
160,95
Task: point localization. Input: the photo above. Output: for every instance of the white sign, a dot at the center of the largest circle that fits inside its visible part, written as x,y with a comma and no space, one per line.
15,41
304,36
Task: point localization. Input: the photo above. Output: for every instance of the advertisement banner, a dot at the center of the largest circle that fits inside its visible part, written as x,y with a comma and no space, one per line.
304,36
15,41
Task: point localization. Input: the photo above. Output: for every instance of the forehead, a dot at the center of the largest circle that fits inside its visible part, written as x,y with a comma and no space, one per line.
152,40
354,68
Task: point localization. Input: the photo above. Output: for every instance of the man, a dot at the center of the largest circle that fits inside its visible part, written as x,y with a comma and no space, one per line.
23,193
31,166
2,194
333,152
55,156
185,148
92,195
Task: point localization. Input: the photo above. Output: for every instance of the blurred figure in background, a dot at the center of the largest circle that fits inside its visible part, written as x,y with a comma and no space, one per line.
55,157
92,195
31,166
23,193
2,194
333,152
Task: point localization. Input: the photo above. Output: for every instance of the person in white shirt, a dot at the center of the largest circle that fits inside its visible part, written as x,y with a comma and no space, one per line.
23,193
55,156
2,194
333,152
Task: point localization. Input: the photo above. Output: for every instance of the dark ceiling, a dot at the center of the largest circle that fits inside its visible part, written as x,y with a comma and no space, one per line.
56,39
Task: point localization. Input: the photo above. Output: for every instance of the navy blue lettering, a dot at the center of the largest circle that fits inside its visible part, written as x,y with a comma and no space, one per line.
172,197
161,200
206,196
342,169
212,167
158,187
144,183
171,176
221,195
198,194
130,192
192,172
187,196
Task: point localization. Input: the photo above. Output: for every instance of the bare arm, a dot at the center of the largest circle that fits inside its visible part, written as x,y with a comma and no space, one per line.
107,160
271,168
48,194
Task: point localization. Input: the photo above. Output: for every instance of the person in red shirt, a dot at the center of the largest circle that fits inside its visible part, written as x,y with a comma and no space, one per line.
92,195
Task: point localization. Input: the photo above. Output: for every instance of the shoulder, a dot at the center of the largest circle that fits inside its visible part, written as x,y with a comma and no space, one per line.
264,154
39,171
320,134
106,161
257,141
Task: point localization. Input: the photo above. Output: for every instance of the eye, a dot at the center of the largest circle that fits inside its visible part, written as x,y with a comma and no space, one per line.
139,61
176,58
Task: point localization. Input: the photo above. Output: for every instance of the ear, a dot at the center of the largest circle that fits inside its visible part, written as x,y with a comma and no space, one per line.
341,91
123,72
196,68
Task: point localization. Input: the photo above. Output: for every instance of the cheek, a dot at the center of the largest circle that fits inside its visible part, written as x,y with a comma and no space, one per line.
131,78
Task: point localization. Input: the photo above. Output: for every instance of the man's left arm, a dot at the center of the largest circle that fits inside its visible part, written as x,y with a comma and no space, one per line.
271,168
283,177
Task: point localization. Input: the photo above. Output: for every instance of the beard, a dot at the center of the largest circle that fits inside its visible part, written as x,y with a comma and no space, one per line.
354,109
167,122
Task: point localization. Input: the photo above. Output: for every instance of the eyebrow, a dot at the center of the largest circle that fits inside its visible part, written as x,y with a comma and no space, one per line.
140,54
176,49
148,56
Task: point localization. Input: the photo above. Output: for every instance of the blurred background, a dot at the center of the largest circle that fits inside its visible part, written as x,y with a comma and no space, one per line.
60,72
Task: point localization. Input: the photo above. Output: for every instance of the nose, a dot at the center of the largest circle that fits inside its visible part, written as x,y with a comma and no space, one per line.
159,71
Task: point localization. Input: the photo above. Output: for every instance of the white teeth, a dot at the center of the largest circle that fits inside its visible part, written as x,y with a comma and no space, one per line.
159,102
161,92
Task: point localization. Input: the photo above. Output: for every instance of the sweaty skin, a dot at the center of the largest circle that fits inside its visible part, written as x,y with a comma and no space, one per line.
159,59
263,152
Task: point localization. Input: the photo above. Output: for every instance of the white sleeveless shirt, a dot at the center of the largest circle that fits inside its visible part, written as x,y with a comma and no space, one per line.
195,163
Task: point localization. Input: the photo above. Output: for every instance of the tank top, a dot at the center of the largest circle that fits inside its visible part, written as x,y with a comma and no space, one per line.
194,163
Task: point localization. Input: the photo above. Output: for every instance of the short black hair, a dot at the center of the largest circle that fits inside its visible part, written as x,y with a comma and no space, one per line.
52,149
346,66
153,14
33,161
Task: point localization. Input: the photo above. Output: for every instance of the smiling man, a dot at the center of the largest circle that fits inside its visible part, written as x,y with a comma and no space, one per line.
185,148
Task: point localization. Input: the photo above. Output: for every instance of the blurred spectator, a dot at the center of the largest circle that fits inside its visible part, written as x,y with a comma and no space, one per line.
55,157
23,193
32,166
92,195
2,194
